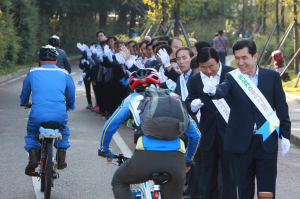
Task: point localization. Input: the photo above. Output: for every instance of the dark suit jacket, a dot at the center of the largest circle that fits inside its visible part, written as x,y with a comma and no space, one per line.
244,113
178,88
211,119
172,74
117,71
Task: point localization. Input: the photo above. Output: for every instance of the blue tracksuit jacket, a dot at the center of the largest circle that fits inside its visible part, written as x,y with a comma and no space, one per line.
129,107
50,87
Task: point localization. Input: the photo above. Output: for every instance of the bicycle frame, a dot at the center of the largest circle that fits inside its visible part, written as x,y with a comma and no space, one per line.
144,188
48,168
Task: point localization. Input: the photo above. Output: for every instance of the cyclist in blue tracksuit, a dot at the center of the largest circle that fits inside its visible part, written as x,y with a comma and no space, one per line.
151,155
50,87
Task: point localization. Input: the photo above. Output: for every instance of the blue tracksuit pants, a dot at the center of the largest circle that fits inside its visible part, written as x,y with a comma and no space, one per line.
35,119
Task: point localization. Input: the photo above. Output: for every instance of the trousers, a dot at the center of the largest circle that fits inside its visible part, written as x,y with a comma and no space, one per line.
142,164
36,118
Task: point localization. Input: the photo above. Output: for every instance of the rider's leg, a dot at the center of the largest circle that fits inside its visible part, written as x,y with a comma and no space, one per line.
136,170
63,144
33,126
32,144
174,164
65,131
142,164
33,161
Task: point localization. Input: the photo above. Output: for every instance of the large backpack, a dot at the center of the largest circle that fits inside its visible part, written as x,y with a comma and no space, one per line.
162,114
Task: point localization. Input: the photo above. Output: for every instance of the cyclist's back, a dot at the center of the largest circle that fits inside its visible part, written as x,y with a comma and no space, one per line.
50,86
152,154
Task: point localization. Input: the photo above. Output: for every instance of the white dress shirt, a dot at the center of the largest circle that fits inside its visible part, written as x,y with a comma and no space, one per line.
216,78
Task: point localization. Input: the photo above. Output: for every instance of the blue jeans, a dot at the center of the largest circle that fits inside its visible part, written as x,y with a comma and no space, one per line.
222,56
36,118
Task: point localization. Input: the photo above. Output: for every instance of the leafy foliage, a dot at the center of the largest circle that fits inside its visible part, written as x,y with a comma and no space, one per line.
26,25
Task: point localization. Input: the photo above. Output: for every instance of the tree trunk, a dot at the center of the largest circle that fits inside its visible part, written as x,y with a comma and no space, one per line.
132,21
264,17
103,19
177,18
277,22
257,14
282,14
223,20
165,15
260,15
296,36
243,20
121,23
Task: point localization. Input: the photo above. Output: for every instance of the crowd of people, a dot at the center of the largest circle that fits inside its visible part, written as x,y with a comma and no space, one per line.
108,63
231,154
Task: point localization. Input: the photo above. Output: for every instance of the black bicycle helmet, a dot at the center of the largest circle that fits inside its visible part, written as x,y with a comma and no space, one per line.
54,40
48,53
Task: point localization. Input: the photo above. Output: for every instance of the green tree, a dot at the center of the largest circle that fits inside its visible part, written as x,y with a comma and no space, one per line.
8,38
26,23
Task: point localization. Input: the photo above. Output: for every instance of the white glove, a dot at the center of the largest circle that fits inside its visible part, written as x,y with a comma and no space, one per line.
83,75
139,64
80,47
85,47
83,61
99,52
110,57
209,86
133,57
106,50
163,55
99,48
196,104
285,145
120,58
93,49
89,53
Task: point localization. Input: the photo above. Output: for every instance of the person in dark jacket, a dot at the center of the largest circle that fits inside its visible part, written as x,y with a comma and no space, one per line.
212,124
62,60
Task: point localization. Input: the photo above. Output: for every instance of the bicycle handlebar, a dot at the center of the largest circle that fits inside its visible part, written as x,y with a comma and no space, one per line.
121,158
26,106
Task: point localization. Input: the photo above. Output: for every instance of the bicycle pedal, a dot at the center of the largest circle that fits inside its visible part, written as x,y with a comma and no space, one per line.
55,175
34,174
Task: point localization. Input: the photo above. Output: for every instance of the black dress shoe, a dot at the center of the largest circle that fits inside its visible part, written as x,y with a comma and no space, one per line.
186,192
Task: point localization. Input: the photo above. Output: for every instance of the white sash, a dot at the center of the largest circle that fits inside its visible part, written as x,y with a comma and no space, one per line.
184,90
171,84
223,108
260,102
162,76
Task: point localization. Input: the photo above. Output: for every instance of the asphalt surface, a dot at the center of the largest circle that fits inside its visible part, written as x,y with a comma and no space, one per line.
87,175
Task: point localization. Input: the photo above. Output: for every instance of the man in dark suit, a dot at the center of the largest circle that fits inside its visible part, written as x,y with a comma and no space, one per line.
253,156
212,125
184,57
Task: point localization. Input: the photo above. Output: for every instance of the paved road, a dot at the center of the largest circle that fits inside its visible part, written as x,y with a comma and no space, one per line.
87,175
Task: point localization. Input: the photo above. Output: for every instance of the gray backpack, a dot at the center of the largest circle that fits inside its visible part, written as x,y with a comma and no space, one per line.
163,115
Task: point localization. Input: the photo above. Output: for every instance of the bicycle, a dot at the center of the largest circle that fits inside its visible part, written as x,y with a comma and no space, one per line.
48,165
144,191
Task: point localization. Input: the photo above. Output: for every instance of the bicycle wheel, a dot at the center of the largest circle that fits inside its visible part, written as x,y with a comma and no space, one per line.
43,151
48,171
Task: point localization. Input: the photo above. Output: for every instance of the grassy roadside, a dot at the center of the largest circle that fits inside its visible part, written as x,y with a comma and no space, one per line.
288,86
15,68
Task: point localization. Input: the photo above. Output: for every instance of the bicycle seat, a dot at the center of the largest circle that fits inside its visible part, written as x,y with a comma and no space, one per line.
160,178
50,125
